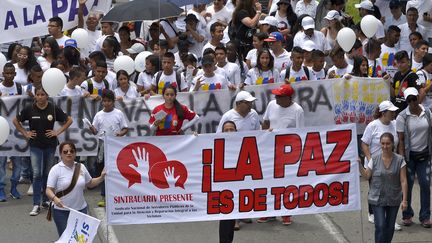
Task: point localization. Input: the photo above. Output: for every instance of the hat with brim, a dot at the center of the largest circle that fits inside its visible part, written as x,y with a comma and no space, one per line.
410,91
244,96
387,106
284,90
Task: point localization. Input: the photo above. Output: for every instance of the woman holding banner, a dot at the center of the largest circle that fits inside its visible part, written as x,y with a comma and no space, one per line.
388,187
167,118
66,183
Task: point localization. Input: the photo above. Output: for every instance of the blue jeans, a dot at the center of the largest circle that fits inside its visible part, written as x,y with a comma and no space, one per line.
41,160
385,218
61,217
423,171
16,162
26,169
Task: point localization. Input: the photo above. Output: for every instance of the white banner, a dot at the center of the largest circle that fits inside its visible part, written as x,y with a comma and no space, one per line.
327,102
25,19
163,179
80,228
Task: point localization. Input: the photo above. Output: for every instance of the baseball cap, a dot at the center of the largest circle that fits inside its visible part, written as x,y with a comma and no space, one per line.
270,20
332,14
284,90
308,45
244,95
387,106
366,4
71,43
191,17
136,48
275,36
410,91
395,4
308,23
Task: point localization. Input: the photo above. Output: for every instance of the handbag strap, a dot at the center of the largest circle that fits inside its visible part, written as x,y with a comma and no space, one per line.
73,182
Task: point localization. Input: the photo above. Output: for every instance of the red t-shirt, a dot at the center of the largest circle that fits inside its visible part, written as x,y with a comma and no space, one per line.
171,124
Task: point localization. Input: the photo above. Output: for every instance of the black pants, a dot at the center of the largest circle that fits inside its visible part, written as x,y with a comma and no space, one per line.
226,231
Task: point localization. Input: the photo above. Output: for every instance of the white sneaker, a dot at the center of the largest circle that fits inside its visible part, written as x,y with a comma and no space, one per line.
30,190
35,211
371,218
397,227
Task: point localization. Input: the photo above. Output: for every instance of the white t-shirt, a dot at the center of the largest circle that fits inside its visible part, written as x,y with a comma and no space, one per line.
282,61
110,77
61,41
109,122
145,80
233,73
9,91
295,76
60,177
21,75
404,43
314,75
77,91
98,87
252,57
93,36
387,59
418,127
422,6
99,42
281,117
373,132
216,82
248,123
43,63
309,9
416,65
223,15
259,77
131,93
282,19
318,38
425,78
340,72
166,80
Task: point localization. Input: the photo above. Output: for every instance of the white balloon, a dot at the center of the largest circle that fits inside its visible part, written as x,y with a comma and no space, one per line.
81,37
124,63
346,38
140,60
53,81
3,61
4,130
369,25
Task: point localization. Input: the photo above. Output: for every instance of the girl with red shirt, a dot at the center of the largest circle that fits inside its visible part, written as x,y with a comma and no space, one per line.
176,113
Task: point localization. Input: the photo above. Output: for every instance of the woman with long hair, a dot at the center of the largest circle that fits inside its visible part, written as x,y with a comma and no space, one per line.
12,53
26,60
388,188
244,20
59,179
287,19
167,118
264,72
333,26
42,137
258,44
111,50
152,66
125,39
360,67
125,90
51,50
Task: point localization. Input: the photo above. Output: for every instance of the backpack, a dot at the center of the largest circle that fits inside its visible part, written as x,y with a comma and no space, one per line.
90,85
287,72
178,79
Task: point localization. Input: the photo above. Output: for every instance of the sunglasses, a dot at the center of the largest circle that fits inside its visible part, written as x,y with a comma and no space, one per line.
68,151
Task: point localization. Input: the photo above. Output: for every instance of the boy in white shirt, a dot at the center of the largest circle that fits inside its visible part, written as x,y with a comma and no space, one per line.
232,70
8,87
210,80
167,76
340,67
296,72
73,86
96,85
317,71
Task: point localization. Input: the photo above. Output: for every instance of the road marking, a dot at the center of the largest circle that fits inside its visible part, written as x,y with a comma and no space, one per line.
104,229
331,228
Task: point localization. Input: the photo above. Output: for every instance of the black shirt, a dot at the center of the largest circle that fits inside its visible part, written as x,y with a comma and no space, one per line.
41,121
241,28
402,82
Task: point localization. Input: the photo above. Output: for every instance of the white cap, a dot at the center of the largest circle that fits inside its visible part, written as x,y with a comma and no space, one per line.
366,4
308,45
308,23
270,20
136,48
333,14
387,106
410,91
244,95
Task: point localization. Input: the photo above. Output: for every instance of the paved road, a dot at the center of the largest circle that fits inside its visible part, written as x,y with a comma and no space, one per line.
17,226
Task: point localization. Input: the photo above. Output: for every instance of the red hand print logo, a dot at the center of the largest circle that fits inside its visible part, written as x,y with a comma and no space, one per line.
138,161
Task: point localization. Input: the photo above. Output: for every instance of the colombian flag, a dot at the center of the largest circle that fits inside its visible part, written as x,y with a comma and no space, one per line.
166,122
262,80
388,59
211,86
